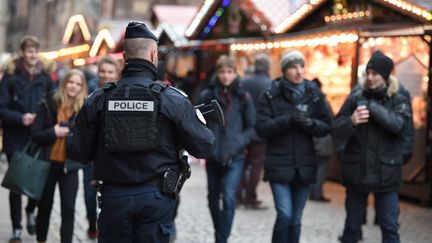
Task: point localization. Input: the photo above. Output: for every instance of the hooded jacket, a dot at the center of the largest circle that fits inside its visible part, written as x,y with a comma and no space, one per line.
20,93
290,149
373,154
239,112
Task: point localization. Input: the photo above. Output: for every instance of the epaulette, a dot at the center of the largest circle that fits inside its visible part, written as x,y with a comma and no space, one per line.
109,85
158,86
179,91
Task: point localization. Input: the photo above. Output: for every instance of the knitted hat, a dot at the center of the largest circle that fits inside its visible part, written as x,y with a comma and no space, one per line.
381,64
290,58
139,30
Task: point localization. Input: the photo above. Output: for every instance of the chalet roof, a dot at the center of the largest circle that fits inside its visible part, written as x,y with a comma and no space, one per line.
285,14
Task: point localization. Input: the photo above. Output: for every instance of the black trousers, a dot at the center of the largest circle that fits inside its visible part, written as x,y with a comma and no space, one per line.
15,203
68,185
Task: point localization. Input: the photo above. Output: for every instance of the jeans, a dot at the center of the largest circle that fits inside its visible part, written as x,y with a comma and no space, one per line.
68,185
135,214
222,183
387,209
290,200
90,197
15,203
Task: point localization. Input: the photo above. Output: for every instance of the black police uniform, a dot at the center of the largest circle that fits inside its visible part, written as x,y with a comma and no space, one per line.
133,207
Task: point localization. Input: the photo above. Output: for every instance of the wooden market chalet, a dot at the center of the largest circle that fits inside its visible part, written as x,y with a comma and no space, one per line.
337,38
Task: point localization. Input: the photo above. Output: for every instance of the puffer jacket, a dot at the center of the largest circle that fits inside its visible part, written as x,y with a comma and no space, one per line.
290,149
239,112
373,154
20,93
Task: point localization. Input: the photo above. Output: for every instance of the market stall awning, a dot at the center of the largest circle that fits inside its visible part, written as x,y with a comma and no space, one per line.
174,14
170,23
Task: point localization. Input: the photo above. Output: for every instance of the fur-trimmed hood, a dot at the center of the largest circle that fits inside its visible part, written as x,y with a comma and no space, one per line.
392,88
46,64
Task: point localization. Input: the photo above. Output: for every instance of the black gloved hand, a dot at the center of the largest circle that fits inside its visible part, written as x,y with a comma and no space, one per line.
301,119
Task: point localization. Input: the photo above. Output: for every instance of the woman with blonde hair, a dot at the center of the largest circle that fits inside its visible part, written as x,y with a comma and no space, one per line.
54,118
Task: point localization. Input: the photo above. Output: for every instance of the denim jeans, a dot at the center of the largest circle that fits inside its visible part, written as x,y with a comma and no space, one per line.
222,183
387,210
290,200
90,196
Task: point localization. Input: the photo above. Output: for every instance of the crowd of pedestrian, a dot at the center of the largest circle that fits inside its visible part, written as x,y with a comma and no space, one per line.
282,131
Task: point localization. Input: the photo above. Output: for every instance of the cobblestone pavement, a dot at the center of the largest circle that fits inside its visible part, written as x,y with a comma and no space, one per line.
322,223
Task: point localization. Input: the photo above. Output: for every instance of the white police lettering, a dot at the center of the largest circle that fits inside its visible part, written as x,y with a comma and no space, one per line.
130,105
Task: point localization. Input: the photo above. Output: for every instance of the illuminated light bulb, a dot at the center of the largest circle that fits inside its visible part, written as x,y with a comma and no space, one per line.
269,45
79,62
327,18
276,44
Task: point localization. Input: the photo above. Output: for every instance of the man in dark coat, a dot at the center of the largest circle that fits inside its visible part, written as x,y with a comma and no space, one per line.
371,123
25,82
225,164
290,113
255,153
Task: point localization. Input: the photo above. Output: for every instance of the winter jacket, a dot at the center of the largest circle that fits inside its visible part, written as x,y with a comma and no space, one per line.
42,130
20,93
239,112
373,153
408,132
256,85
290,149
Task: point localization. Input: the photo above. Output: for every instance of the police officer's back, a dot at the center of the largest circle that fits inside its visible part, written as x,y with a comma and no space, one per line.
133,131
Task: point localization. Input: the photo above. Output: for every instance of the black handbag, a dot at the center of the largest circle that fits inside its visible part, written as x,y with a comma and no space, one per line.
26,174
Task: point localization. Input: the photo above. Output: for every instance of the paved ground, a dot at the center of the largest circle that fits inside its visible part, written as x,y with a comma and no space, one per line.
322,223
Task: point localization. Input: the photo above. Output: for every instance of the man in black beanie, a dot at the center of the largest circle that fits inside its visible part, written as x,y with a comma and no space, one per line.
370,124
133,130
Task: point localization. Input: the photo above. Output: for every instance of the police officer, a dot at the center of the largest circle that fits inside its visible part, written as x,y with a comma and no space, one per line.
133,131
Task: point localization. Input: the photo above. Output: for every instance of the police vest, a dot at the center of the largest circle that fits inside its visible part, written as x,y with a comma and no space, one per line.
131,118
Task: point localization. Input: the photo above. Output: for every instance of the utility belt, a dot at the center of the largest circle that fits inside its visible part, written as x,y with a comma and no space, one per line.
169,184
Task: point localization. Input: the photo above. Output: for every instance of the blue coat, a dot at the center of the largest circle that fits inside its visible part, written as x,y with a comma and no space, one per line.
239,112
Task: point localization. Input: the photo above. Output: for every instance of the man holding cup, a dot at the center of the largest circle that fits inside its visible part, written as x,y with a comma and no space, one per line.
370,123
289,114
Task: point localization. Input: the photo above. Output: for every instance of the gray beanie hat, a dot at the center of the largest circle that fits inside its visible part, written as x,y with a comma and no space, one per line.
290,58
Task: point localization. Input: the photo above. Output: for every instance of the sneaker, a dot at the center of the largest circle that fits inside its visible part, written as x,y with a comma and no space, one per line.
31,223
92,234
16,236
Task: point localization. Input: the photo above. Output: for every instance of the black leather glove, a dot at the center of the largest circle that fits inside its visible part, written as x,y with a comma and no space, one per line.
301,119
